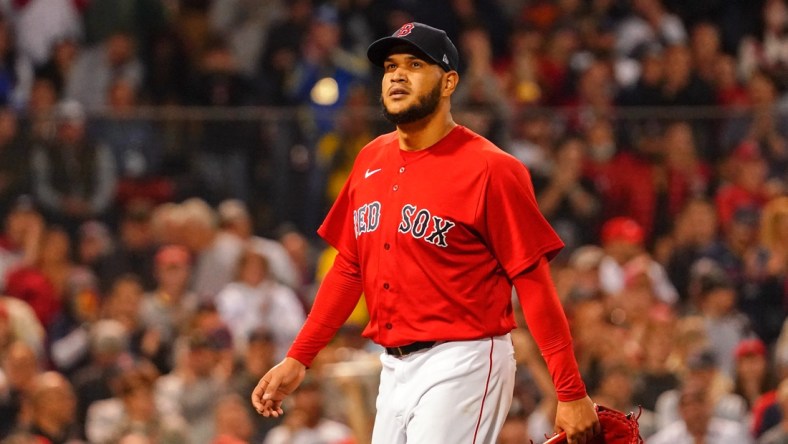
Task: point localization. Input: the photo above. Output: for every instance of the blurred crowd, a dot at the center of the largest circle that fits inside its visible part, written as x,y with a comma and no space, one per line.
164,165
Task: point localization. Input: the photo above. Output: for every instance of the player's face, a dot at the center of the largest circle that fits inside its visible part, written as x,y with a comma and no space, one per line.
411,88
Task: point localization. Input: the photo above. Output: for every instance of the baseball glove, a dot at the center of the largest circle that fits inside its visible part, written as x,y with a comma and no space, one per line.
617,428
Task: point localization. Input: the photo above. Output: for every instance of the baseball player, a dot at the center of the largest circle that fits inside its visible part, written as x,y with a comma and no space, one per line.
435,224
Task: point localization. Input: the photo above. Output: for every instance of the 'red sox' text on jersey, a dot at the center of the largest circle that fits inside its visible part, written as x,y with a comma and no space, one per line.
463,214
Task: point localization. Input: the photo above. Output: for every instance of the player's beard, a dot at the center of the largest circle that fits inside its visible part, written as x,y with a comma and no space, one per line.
425,105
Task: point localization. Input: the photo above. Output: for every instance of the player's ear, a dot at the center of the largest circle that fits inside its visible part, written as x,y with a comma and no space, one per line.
450,82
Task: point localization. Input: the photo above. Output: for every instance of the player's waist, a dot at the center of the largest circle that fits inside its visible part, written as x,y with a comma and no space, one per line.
420,346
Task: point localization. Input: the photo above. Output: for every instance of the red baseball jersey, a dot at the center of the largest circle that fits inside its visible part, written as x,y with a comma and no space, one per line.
438,234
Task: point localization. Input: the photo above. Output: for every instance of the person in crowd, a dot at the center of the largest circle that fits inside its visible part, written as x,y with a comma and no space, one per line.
753,378
706,49
109,356
623,240
726,326
766,50
615,390
133,409
254,299
19,323
95,69
655,376
135,249
20,241
68,338
52,403
215,252
73,177
747,188
42,284
695,230
58,67
567,198
697,423
259,356
307,421
779,432
167,310
234,218
136,148
192,388
95,245
233,421
704,375
224,152
649,22
19,366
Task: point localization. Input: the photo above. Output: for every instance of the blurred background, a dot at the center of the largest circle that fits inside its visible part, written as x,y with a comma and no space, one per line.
164,165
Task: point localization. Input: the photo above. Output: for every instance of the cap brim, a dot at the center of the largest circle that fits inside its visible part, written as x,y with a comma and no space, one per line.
380,49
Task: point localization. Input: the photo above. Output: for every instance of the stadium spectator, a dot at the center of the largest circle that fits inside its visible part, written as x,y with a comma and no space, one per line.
307,422
18,369
132,409
73,177
215,252
234,218
649,23
254,299
233,421
135,147
68,338
622,239
52,404
223,156
97,67
698,424
258,357
193,387
166,311
703,375
38,24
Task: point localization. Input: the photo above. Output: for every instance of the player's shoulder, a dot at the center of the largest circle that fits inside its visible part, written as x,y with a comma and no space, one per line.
488,153
379,143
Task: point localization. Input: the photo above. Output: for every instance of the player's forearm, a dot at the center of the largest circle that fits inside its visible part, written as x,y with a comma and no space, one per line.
550,329
337,297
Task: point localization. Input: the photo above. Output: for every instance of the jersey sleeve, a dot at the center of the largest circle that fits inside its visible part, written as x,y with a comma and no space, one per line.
338,228
515,229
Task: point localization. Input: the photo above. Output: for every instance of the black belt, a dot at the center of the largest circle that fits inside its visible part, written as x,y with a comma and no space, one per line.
410,348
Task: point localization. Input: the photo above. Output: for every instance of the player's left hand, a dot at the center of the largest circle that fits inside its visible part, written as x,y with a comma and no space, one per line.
578,419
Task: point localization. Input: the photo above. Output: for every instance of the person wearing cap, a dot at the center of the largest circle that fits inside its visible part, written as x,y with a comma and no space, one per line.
623,240
702,373
73,177
435,225
753,377
747,188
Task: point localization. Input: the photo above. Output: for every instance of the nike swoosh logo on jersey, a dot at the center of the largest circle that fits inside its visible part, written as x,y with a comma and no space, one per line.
369,173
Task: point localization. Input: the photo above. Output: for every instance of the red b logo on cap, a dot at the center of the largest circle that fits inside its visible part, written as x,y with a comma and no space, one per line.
405,30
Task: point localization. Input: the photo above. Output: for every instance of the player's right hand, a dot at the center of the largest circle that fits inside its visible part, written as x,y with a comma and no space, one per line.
578,419
275,385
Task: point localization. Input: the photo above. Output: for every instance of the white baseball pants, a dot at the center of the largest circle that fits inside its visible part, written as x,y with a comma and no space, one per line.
454,393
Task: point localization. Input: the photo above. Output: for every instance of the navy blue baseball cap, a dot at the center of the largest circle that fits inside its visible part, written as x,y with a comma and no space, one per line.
428,41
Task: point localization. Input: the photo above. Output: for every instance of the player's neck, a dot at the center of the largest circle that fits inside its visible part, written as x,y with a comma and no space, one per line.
424,133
